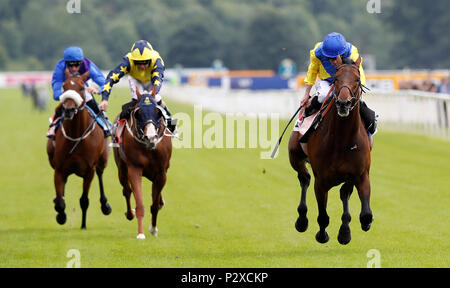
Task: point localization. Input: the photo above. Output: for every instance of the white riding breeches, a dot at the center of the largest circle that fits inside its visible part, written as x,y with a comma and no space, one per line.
320,89
134,83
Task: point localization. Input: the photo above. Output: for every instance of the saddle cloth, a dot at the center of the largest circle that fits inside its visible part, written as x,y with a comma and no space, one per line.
303,124
118,130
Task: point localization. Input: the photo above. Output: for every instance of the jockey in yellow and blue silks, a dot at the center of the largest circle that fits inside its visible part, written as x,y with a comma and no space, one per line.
323,66
145,69
75,62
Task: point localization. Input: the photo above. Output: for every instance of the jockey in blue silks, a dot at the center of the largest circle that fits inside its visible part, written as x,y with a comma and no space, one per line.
75,62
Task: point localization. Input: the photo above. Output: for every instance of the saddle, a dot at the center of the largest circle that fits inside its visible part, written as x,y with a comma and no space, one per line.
306,125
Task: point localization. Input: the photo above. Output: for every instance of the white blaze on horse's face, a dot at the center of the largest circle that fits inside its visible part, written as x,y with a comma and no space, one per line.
151,134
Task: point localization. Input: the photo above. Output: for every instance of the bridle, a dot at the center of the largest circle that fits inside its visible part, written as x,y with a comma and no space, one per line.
356,95
140,137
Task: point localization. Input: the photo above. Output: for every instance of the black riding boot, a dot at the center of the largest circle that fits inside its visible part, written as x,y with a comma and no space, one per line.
368,117
127,108
313,106
94,106
171,123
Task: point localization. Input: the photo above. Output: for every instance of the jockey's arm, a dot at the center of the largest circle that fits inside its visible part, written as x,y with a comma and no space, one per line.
157,77
58,80
112,78
97,77
311,76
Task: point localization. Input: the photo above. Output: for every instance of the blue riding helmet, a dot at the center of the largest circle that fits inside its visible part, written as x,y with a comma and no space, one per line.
334,44
73,53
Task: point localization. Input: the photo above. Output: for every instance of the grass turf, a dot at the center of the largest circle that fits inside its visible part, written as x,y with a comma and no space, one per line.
224,207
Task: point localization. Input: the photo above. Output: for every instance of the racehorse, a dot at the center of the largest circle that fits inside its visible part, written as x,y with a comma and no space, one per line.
339,152
145,150
79,148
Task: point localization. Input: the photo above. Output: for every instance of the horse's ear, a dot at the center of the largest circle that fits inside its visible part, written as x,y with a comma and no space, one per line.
138,93
85,76
339,60
358,61
67,73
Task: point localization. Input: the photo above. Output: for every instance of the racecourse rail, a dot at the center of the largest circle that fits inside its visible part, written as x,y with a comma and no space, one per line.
399,110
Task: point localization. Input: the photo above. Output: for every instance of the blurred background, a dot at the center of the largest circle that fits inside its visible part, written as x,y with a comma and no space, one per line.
214,48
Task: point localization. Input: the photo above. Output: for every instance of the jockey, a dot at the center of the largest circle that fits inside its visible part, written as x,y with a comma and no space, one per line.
145,69
75,62
322,64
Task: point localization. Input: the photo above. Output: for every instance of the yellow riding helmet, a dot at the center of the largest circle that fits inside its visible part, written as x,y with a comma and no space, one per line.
141,51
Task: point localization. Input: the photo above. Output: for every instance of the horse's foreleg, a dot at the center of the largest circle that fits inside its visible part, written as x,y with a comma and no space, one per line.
304,178
363,187
84,200
135,179
157,203
60,204
344,235
106,208
322,219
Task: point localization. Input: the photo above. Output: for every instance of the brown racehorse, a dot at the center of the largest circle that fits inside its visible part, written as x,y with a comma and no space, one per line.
144,152
339,152
79,148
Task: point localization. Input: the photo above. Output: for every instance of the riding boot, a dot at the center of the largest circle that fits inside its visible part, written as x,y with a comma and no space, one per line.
54,122
171,123
313,106
368,117
127,108
101,114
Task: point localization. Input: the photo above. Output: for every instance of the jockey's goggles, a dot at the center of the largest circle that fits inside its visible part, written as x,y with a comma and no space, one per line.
334,58
73,63
141,62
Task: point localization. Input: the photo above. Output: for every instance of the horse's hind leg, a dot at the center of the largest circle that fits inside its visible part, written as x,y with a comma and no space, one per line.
344,235
84,200
304,178
297,159
106,208
158,184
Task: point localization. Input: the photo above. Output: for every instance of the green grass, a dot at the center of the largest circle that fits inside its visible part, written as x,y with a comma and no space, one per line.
224,207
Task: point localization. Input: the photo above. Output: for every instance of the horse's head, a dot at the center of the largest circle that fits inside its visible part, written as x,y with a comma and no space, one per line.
347,85
73,98
147,117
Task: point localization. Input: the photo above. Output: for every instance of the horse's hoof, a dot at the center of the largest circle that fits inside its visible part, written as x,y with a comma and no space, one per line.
130,214
61,218
301,224
322,237
366,221
106,209
154,231
344,235
140,236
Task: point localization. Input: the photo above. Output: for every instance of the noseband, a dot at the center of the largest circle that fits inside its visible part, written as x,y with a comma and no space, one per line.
355,94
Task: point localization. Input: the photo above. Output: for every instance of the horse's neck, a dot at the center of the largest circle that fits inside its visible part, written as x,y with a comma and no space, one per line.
80,122
345,127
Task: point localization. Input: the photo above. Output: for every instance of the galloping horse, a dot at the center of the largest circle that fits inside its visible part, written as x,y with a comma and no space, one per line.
79,148
145,151
339,152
